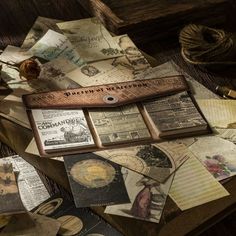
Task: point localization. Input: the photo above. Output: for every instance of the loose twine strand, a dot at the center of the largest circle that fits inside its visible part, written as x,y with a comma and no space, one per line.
202,45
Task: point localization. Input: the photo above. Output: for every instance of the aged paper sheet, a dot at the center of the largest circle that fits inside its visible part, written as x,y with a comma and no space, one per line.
31,188
157,161
39,28
220,113
120,69
216,154
53,45
91,39
147,197
193,185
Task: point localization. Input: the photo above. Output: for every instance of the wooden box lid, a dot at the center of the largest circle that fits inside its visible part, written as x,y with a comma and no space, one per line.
148,20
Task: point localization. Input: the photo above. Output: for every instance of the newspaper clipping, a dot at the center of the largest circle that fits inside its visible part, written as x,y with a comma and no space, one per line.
59,129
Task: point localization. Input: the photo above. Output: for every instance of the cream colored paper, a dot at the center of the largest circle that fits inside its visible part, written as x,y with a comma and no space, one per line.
193,185
53,45
219,113
120,69
91,39
228,134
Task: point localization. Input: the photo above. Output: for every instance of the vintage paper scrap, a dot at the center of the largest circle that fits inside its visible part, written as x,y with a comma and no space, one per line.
31,188
91,39
157,161
228,134
53,45
220,113
119,69
147,197
216,154
39,28
193,185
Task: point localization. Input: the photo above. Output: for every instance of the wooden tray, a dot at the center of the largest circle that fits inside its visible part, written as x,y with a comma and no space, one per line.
148,20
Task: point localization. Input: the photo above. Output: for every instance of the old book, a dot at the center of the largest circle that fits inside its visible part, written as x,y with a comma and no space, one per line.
95,181
74,221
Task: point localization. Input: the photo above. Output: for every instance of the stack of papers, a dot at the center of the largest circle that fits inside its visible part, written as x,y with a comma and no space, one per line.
134,181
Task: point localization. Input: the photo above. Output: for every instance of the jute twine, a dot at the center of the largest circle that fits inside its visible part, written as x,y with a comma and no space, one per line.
202,45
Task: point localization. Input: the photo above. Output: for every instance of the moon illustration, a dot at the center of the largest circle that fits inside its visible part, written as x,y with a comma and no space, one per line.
49,207
93,173
70,225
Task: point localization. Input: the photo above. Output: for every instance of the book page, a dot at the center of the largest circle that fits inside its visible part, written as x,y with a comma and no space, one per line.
91,39
193,185
220,113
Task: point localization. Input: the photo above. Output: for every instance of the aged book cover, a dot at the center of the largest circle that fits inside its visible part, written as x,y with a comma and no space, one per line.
95,180
74,221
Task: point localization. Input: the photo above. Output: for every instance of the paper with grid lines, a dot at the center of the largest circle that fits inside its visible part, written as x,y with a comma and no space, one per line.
193,185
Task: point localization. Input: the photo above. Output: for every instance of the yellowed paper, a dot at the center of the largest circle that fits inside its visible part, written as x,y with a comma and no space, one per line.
193,185
219,113
91,39
119,69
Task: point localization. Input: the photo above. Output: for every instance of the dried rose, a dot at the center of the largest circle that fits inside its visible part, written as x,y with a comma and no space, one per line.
29,69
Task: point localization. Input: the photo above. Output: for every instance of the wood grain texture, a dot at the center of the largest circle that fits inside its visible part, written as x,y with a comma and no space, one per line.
155,19
16,18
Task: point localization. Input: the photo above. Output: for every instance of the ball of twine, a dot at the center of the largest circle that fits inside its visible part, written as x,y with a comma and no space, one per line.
204,45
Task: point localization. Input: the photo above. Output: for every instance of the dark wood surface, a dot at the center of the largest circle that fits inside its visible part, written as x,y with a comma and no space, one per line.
155,19
16,18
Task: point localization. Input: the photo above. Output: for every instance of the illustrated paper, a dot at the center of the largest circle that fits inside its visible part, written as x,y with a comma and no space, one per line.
53,45
95,181
193,185
91,39
157,161
146,195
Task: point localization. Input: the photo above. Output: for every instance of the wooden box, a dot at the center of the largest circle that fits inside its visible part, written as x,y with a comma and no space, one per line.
149,20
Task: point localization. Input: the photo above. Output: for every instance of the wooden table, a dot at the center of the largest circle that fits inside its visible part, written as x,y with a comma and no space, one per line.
16,18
